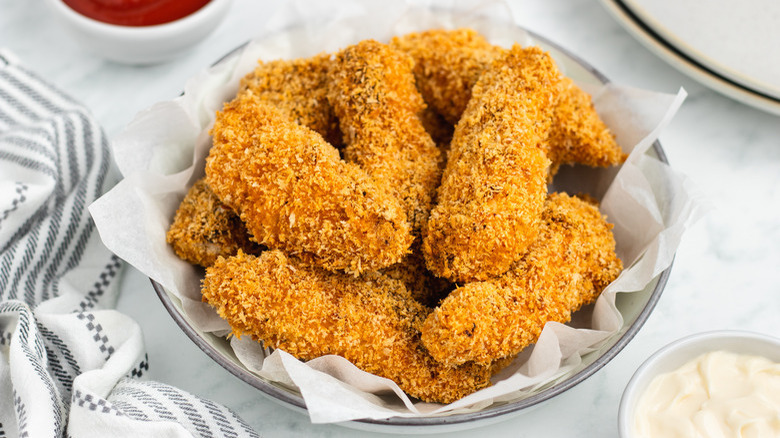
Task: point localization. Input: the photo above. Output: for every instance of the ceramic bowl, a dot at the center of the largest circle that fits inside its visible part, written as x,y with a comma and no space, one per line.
678,353
141,45
634,307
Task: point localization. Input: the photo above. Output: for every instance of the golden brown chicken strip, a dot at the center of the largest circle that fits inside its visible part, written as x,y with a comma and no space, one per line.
568,266
578,135
449,62
308,312
298,88
373,94
204,228
447,65
494,186
295,193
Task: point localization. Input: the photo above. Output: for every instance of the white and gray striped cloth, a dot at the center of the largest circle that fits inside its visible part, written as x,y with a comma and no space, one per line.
69,364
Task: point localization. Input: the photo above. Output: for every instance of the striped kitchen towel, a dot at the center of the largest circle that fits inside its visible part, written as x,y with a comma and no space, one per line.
69,364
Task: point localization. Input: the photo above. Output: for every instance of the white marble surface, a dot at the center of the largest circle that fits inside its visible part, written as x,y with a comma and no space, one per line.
725,275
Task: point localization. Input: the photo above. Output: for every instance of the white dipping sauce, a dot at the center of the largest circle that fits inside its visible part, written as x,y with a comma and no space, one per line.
718,394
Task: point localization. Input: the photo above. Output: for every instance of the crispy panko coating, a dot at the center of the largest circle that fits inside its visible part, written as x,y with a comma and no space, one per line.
299,89
449,62
309,312
494,185
295,193
439,129
204,228
373,94
447,65
578,135
420,282
568,266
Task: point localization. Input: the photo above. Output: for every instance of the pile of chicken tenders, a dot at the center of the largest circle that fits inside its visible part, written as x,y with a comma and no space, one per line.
389,203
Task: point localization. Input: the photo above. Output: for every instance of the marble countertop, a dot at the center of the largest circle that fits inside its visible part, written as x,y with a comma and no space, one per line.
724,276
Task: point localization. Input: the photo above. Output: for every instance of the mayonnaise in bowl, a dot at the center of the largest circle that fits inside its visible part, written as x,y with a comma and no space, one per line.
713,385
718,394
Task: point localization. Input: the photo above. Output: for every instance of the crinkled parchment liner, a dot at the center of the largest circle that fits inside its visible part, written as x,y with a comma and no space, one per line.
162,152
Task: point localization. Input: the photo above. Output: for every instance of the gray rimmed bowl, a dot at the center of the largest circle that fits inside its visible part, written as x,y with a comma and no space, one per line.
634,307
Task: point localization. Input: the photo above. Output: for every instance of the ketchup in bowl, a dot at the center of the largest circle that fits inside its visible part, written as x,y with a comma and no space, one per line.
135,12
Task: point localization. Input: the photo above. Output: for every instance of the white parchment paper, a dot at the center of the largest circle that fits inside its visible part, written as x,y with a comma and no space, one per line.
162,152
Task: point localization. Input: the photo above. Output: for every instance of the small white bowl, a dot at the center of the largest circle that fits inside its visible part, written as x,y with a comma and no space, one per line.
141,44
682,351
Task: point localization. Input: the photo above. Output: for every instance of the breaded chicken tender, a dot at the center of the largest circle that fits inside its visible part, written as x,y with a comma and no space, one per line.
309,312
447,65
494,185
449,62
578,135
568,266
204,228
299,89
294,192
373,94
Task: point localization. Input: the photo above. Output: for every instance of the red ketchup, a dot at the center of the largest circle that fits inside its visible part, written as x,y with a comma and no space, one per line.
135,12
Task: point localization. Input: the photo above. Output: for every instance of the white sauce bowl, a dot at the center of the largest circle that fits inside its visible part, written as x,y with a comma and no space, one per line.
682,351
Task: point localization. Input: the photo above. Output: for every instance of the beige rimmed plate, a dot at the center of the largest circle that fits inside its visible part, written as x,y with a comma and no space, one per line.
736,40
687,64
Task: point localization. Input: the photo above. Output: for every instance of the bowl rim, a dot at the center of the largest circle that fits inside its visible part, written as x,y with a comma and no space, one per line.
183,24
647,370
297,402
